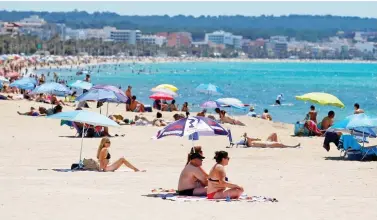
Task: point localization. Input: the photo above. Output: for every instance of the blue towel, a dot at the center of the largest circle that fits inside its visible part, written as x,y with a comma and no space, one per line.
350,142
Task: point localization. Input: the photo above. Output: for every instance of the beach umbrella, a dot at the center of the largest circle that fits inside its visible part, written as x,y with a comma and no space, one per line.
165,91
79,84
196,124
51,88
12,74
3,79
24,83
161,96
87,118
167,86
210,104
360,123
102,95
209,89
233,102
111,88
321,98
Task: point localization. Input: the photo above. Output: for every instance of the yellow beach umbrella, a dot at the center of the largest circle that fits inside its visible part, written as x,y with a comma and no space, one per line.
167,86
321,98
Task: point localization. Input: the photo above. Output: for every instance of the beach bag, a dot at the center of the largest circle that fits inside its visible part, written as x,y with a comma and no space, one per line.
90,164
300,130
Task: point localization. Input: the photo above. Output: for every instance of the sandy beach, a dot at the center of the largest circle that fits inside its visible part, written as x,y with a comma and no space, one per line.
309,182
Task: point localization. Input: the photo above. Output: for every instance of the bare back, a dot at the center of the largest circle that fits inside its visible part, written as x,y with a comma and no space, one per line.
190,177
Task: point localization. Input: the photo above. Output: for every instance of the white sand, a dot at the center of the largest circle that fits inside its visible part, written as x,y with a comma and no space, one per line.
306,184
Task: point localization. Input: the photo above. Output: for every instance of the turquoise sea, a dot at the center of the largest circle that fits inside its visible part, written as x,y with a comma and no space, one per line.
253,83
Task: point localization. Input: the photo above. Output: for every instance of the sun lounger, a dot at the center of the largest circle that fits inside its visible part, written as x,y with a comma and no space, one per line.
349,145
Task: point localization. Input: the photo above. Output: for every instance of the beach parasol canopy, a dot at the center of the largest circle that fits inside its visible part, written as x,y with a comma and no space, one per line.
102,95
51,88
356,121
322,99
186,126
165,91
12,74
209,89
87,118
161,96
79,84
210,104
24,83
167,86
233,102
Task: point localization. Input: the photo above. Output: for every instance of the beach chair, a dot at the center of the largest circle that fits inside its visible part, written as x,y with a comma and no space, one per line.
231,143
349,145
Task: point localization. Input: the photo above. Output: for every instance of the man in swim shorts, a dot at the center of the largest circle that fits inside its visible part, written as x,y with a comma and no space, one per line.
279,98
193,181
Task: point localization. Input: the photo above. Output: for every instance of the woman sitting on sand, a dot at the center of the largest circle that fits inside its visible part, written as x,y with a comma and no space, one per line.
226,119
271,142
104,157
218,185
185,107
158,121
55,101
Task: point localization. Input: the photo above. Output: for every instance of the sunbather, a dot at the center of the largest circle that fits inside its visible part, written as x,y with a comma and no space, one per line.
41,98
219,186
226,119
271,142
312,127
104,157
202,113
193,179
178,117
32,112
158,121
55,100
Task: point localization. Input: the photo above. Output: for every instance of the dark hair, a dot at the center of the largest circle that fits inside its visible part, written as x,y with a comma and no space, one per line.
57,109
220,155
186,103
173,101
331,113
312,107
265,110
133,97
187,114
159,115
217,110
196,149
356,105
74,93
87,75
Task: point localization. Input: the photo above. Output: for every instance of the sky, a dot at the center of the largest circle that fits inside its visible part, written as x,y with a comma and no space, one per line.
360,9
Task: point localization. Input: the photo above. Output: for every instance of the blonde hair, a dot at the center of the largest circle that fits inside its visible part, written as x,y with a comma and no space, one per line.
101,145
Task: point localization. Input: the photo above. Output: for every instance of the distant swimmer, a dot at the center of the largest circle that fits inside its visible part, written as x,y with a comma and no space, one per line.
279,98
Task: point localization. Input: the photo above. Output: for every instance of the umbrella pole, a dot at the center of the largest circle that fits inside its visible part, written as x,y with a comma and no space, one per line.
82,141
107,110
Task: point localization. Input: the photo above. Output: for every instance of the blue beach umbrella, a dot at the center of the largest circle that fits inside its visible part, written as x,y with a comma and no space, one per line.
209,89
87,118
51,88
24,83
360,123
79,84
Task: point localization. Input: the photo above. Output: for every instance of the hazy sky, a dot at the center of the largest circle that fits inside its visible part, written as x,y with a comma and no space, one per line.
362,9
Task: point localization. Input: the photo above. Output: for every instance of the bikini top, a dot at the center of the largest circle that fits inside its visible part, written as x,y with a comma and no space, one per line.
108,156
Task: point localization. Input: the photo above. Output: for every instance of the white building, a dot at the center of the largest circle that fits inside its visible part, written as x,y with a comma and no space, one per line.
76,34
33,20
365,47
153,39
128,36
226,38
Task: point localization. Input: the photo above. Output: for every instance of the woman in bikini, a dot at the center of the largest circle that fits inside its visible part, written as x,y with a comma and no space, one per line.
271,142
226,119
218,185
104,157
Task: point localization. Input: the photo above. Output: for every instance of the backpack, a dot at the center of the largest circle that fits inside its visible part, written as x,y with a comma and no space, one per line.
90,164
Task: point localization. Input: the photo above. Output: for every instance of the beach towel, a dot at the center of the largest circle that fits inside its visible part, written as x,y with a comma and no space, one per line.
171,195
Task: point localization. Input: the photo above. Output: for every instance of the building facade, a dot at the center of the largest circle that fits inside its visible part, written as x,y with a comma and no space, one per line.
131,37
222,37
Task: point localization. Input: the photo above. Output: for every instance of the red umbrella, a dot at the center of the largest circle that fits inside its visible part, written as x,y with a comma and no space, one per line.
12,74
161,96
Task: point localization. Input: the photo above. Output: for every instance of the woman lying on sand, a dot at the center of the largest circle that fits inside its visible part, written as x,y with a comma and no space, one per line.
218,185
271,142
104,157
226,119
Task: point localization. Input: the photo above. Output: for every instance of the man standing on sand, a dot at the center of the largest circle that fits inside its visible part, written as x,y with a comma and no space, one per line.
129,96
358,110
193,181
